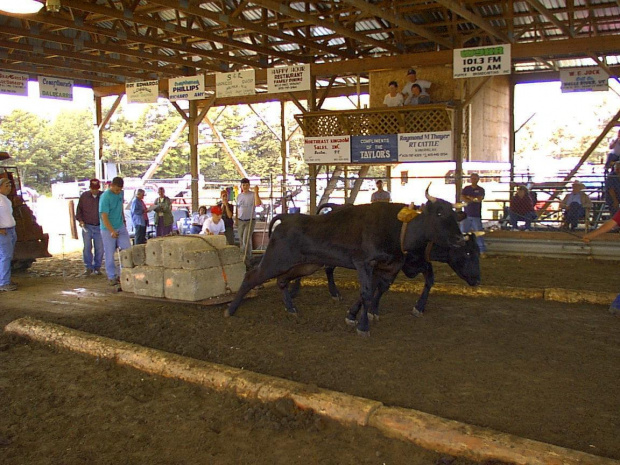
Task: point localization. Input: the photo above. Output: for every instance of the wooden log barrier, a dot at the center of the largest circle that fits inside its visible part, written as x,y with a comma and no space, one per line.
425,430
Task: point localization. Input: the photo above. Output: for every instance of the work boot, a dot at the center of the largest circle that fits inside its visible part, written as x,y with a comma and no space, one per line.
97,272
8,287
88,272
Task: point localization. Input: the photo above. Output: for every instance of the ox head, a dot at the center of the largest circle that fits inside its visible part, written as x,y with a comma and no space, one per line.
465,260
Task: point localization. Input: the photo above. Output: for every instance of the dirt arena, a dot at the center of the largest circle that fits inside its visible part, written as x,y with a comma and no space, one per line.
541,370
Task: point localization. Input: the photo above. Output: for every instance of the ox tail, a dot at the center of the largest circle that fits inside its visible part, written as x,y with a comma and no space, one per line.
273,221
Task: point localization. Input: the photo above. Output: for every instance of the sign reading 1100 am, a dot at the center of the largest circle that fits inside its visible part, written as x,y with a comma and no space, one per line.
481,61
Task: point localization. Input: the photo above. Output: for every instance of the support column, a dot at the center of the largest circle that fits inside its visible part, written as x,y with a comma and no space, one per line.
283,153
193,151
98,139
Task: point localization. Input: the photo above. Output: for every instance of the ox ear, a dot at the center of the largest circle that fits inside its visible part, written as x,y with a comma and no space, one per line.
429,197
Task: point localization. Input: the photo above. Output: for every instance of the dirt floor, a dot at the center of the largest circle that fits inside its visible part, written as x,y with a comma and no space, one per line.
541,370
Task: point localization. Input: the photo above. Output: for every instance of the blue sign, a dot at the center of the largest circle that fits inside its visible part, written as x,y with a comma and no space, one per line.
374,149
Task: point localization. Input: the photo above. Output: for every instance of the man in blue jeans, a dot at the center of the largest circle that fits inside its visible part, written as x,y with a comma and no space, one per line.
113,230
87,215
473,195
8,236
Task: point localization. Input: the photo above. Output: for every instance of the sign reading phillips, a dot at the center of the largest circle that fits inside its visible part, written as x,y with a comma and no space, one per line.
186,88
55,88
587,79
235,84
481,61
13,83
142,92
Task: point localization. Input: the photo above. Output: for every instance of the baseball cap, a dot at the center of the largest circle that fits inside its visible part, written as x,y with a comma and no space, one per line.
245,181
94,184
216,210
411,71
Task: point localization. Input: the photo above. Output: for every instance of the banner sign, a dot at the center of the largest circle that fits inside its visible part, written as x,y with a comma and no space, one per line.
13,83
142,92
588,79
481,61
374,149
426,146
55,88
329,149
288,79
186,88
235,84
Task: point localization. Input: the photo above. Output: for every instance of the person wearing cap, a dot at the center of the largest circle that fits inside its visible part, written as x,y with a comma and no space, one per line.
246,204
380,195
393,98
8,236
575,204
412,78
214,225
87,216
612,189
473,195
113,230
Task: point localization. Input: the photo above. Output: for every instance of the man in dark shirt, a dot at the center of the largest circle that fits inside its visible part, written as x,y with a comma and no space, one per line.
87,216
473,195
522,208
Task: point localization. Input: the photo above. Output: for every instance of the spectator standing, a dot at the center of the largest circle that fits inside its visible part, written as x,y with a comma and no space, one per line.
139,218
113,230
412,78
87,215
614,153
8,236
393,98
575,204
522,208
228,211
198,220
163,214
612,189
246,210
214,226
380,195
473,195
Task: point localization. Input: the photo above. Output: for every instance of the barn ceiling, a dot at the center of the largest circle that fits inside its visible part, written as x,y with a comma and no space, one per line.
109,42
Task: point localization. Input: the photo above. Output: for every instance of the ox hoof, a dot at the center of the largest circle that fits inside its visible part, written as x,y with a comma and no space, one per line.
292,311
363,333
337,298
417,313
373,317
227,313
614,311
350,322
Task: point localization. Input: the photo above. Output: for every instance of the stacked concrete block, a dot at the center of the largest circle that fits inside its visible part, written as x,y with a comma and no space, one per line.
189,268
126,258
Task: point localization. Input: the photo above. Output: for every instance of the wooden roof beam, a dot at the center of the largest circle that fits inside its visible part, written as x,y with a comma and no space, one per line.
75,76
549,16
475,19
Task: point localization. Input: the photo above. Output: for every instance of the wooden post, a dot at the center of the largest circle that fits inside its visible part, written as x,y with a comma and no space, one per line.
193,150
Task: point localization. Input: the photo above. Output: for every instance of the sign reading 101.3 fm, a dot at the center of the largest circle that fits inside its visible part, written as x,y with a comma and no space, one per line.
481,61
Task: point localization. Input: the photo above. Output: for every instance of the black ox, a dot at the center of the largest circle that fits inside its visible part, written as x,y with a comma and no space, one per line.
367,238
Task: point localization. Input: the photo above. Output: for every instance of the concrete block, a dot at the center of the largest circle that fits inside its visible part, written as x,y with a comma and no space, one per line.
154,252
193,285
127,282
139,254
219,242
148,281
230,255
234,275
175,247
126,258
200,259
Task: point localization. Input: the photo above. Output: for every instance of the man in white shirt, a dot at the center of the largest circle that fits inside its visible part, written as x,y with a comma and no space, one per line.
412,78
246,203
8,236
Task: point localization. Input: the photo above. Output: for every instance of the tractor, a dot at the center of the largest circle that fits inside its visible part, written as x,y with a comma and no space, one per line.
31,241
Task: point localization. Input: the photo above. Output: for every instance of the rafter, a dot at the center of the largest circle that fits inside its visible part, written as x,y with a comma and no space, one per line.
475,19
550,17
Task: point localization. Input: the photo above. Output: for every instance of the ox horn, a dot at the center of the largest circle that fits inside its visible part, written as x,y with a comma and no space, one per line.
459,205
429,197
466,237
479,233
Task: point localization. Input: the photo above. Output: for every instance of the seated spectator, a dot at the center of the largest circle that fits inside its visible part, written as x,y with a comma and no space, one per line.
522,208
612,189
198,220
214,226
575,205
393,98
418,95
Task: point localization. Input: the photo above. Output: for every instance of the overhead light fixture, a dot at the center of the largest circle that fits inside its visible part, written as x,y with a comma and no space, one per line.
52,6
20,7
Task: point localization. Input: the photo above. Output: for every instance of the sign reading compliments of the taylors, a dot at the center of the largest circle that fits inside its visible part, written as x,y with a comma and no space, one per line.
584,79
288,79
425,146
235,84
142,92
13,83
55,88
329,149
481,61
186,88
374,149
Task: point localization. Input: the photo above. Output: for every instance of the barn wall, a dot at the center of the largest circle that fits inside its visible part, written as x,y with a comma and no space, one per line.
490,121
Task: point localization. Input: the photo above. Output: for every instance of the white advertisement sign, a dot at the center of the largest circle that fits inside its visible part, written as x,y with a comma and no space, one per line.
142,92
425,146
288,79
235,84
329,149
186,88
55,88
584,79
13,83
481,61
